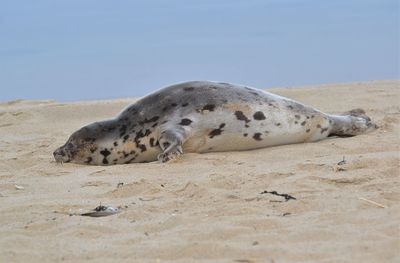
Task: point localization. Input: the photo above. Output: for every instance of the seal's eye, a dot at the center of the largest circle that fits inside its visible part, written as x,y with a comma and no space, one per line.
90,140
70,146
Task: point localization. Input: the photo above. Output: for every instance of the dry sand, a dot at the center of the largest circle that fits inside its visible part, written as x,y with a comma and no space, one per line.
205,207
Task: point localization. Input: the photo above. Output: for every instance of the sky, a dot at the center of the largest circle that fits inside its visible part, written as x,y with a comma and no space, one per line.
71,50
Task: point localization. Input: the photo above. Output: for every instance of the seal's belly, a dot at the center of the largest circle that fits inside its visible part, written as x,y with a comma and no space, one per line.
244,127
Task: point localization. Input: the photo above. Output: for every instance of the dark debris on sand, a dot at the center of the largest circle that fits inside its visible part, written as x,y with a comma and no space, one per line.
286,196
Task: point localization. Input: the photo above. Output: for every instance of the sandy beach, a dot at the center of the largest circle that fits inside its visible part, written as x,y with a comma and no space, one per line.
205,207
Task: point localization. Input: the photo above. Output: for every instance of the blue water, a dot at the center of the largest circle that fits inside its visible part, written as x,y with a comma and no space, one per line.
93,49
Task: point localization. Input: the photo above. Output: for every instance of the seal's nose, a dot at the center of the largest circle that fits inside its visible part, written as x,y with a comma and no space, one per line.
58,152
58,155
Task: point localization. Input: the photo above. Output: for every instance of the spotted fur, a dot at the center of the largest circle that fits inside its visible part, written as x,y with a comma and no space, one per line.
202,116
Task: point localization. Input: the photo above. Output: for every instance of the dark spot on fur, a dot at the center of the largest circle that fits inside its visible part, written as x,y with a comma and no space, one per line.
154,125
254,93
308,117
303,123
93,149
115,160
147,132
152,140
165,108
240,116
185,122
324,130
174,104
115,143
297,117
209,107
142,147
133,111
290,107
308,130
126,137
155,118
296,122
131,160
188,88
330,121
89,160
185,104
278,124
216,132
257,136
312,116
245,134
105,152
89,139
125,154
140,135
166,145
108,129
259,116
318,126
122,130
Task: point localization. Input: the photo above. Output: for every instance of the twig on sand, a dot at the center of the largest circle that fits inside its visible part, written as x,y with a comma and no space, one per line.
372,202
342,162
286,196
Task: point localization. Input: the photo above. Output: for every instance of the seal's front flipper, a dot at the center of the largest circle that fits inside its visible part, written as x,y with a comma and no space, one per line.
171,145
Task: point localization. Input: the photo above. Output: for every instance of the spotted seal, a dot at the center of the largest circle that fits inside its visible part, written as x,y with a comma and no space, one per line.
203,116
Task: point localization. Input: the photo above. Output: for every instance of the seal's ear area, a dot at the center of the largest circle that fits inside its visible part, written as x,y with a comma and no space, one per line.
69,146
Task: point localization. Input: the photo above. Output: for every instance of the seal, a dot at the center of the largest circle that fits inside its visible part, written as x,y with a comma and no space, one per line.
204,116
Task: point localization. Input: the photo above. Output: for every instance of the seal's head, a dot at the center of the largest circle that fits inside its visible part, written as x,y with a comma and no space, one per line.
82,145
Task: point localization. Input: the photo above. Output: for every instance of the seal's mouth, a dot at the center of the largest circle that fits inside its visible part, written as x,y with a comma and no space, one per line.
61,155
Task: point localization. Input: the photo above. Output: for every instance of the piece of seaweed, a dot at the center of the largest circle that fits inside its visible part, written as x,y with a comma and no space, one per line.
286,196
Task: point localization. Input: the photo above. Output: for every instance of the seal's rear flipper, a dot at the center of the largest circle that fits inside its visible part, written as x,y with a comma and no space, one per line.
357,113
351,123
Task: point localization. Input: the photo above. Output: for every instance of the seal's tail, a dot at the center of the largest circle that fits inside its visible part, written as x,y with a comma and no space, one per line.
351,123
